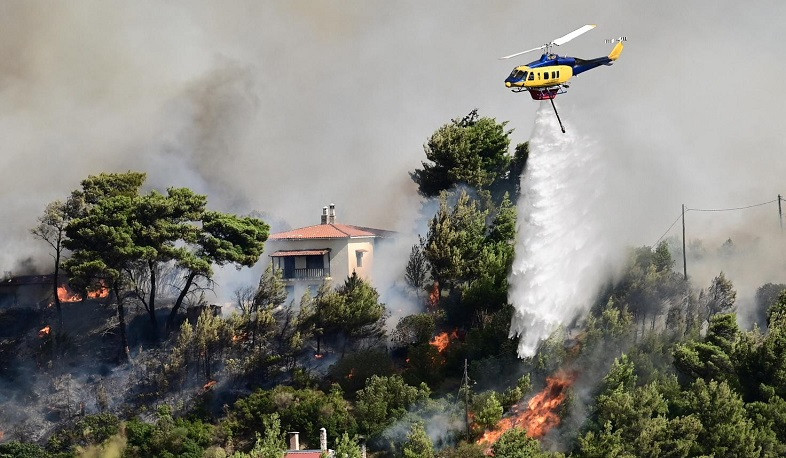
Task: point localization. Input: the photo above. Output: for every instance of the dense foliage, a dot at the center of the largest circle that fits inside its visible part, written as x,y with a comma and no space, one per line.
659,366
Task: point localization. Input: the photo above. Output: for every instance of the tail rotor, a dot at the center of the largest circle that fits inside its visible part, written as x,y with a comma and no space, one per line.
616,40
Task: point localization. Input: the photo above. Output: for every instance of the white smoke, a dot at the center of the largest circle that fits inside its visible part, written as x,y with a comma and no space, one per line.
562,247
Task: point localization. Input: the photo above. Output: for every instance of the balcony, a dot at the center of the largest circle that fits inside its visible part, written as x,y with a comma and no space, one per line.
307,273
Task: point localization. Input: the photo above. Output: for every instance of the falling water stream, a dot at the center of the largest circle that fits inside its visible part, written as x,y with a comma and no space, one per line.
560,244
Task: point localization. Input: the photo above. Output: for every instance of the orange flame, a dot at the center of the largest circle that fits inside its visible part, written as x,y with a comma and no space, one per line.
239,338
65,294
539,415
351,374
433,297
209,385
99,293
44,331
441,341
319,356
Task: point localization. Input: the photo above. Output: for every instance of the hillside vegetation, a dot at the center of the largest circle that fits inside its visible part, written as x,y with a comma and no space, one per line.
658,367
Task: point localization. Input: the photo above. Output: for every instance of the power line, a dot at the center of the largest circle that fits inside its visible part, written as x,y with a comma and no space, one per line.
729,209
667,230
713,210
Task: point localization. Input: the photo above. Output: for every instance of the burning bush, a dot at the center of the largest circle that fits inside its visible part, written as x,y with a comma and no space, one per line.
65,294
442,340
539,415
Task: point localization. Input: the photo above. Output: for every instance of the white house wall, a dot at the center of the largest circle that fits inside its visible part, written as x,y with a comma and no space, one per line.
367,248
342,260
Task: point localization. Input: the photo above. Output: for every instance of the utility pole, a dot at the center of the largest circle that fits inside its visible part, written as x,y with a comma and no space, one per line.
780,212
684,253
466,397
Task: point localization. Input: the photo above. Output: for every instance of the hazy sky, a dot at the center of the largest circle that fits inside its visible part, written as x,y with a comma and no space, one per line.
286,106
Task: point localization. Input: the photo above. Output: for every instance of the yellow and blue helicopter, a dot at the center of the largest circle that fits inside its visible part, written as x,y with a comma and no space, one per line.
548,76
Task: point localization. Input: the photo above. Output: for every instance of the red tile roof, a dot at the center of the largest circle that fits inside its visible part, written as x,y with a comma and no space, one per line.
303,454
329,231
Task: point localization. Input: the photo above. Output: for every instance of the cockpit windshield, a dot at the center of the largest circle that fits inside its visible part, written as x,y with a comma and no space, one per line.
517,75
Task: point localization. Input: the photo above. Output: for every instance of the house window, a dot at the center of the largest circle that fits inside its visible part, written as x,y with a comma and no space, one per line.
289,267
315,262
359,258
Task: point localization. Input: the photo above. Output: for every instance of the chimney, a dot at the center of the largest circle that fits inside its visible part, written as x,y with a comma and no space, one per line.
294,440
324,215
332,214
323,439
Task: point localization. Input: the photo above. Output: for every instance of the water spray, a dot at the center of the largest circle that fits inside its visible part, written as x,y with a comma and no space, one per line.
559,245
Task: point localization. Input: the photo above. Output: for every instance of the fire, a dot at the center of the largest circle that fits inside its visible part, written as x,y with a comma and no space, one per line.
539,415
239,338
65,294
433,297
319,356
99,293
442,341
44,331
209,385
351,374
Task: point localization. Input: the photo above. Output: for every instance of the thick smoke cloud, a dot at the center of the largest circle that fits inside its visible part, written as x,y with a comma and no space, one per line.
284,106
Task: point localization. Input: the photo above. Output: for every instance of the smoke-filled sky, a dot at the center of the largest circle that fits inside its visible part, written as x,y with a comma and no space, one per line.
286,106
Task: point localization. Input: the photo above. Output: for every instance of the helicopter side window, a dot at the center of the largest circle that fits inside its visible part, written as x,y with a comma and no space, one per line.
532,76
557,73
553,74
524,76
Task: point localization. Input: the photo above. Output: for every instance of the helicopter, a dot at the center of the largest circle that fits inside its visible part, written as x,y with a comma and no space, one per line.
548,76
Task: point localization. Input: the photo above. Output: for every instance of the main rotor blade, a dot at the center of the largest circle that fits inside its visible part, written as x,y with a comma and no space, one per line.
574,34
522,52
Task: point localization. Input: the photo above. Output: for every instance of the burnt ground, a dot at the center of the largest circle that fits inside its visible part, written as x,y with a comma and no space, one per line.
48,378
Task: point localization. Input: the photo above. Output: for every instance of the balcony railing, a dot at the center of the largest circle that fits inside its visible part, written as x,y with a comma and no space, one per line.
313,272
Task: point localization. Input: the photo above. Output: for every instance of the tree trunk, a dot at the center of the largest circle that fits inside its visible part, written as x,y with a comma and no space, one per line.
121,324
54,288
59,330
170,322
151,310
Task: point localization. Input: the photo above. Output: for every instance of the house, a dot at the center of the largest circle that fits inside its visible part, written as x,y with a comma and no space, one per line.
307,256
